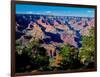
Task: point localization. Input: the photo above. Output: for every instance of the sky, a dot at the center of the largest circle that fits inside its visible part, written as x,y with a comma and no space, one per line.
54,10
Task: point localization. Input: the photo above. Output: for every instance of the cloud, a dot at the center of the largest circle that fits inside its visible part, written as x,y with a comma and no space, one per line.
48,12
89,11
30,12
37,13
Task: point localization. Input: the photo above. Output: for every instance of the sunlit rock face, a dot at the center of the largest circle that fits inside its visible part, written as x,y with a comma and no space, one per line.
53,30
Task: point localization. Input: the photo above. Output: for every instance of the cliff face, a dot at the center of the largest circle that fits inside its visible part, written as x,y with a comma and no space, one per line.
52,30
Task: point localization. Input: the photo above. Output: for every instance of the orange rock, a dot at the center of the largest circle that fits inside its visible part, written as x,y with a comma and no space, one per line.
58,59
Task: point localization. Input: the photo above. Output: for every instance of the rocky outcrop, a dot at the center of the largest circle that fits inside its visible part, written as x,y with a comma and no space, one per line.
53,30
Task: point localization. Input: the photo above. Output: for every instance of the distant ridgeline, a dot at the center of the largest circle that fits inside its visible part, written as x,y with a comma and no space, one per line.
53,29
